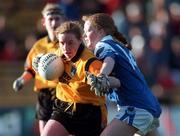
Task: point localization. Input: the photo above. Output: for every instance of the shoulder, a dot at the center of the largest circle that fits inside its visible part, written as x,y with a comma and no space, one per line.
105,45
104,49
86,54
38,47
41,41
92,63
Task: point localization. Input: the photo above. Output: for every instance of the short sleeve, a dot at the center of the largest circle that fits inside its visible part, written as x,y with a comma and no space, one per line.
104,50
93,66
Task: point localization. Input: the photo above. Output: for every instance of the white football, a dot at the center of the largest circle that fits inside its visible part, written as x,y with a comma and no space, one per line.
50,66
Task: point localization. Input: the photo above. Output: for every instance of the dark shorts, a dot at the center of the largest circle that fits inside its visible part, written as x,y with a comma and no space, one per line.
84,121
44,104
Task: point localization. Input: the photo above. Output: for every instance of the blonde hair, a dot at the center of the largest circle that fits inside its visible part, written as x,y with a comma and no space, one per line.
105,22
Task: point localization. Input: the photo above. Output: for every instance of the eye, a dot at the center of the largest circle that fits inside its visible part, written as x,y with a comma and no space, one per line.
57,19
70,42
61,43
86,31
84,34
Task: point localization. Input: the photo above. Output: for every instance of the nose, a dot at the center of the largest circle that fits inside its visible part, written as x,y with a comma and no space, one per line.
53,23
84,35
65,47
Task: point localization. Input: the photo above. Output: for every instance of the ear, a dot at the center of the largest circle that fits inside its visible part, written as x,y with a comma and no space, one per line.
102,33
43,22
56,34
81,39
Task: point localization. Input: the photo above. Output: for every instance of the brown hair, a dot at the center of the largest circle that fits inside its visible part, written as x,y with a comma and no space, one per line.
105,22
73,27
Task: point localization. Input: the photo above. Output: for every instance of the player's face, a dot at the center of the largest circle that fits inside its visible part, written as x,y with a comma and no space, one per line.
69,44
52,22
91,35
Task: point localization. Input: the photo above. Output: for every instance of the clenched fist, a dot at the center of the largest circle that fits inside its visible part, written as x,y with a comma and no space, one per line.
99,84
18,84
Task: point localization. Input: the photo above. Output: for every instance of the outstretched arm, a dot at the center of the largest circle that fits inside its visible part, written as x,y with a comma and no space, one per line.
106,69
114,82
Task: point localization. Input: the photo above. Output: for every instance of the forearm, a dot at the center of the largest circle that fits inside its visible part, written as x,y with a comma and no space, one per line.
107,67
114,82
26,76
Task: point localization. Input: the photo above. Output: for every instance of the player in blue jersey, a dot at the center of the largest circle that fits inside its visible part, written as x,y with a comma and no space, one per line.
139,109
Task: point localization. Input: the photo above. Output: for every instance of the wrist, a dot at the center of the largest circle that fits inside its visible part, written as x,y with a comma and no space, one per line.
26,77
22,80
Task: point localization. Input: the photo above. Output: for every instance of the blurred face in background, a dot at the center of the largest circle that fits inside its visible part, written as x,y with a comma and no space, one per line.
69,44
51,22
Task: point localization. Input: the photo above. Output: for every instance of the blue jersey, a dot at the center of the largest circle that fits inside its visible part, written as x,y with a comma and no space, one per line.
134,90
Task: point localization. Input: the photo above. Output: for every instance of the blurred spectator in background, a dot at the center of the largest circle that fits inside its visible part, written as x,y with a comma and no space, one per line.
9,52
164,78
174,40
40,29
133,24
134,18
91,6
156,56
111,6
174,19
164,85
3,35
71,9
8,43
175,59
29,41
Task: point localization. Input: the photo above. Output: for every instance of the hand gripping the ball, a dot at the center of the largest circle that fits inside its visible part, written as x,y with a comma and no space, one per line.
35,62
18,84
99,84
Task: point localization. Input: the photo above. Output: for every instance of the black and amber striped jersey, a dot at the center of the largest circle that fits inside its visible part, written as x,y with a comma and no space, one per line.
42,46
72,86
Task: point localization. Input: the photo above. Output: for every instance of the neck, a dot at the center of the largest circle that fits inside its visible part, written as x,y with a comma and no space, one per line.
52,37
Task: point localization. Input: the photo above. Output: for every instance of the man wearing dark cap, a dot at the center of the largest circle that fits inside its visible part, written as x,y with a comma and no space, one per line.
52,17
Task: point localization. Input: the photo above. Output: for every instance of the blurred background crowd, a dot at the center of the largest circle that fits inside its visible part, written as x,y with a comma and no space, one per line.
151,26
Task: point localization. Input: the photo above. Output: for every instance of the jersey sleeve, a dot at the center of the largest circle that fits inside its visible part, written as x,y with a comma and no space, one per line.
35,50
28,62
104,50
93,66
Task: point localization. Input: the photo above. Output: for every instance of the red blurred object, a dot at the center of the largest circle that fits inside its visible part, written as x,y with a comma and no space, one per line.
112,5
164,78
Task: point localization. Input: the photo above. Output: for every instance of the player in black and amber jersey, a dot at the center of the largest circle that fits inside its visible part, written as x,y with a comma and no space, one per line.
52,17
77,110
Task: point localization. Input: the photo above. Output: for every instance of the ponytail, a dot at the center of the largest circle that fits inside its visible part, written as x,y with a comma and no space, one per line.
119,36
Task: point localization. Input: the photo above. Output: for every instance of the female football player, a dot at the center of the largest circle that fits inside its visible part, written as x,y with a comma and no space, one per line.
77,110
139,110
